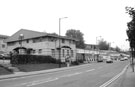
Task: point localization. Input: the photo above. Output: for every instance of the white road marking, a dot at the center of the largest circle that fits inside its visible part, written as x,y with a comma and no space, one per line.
73,74
26,83
114,78
77,73
50,79
41,82
37,82
90,70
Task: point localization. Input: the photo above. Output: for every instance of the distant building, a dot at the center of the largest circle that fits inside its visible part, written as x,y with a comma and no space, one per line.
40,43
91,46
89,53
3,45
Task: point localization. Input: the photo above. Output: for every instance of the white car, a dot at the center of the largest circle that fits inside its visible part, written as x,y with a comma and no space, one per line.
125,58
122,59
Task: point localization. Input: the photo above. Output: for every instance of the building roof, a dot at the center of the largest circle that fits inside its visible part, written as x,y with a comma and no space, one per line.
4,36
91,44
28,34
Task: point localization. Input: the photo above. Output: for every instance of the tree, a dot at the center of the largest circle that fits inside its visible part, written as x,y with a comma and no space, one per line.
131,32
131,26
103,45
77,34
117,49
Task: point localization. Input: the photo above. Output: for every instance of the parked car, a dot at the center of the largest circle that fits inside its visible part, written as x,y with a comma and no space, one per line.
125,58
122,59
109,61
1,56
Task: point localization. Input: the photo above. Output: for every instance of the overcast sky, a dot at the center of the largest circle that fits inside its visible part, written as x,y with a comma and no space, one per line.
94,18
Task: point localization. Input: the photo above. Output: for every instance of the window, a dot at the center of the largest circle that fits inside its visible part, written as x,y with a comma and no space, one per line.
67,52
44,39
53,53
3,46
40,39
70,41
63,52
11,43
73,42
34,41
34,51
63,41
72,53
27,41
51,39
40,51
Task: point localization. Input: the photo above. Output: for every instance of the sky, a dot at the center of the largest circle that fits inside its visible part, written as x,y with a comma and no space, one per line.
104,19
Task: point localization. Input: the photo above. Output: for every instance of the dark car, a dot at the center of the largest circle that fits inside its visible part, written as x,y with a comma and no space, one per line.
109,61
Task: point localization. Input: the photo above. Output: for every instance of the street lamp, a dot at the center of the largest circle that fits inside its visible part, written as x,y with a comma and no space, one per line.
59,40
97,41
97,48
110,45
21,36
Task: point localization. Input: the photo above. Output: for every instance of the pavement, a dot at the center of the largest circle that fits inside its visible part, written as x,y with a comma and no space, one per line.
126,80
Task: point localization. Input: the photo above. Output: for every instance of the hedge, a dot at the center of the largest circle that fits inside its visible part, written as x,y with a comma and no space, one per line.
30,59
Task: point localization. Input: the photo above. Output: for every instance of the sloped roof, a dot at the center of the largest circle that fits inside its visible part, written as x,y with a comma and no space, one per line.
31,34
3,36
27,34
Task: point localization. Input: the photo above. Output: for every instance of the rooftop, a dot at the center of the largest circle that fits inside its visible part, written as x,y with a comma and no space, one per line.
3,36
29,34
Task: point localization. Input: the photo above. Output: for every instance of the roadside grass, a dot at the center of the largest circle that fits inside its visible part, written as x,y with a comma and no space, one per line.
37,67
4,71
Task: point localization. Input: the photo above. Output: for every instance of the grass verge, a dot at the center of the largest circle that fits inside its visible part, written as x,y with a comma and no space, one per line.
4,71
37,67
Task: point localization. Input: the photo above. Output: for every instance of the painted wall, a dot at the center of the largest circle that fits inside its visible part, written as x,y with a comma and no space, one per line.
47,47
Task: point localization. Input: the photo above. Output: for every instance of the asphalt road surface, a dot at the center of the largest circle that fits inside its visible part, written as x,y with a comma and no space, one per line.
90,75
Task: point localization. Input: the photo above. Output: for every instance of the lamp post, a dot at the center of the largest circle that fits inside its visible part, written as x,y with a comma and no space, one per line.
97,42
21,36
59,40
110,45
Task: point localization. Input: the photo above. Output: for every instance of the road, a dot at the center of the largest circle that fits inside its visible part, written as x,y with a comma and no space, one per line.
89,75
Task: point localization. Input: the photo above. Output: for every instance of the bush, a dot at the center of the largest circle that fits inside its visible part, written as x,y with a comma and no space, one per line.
30,59
80,60
75,63
5,58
